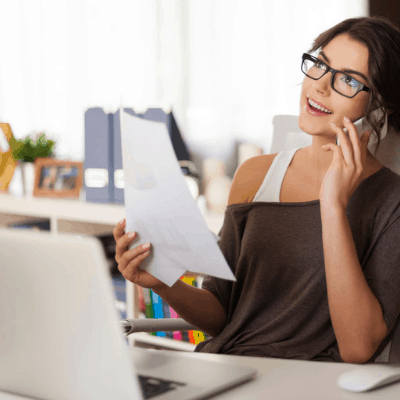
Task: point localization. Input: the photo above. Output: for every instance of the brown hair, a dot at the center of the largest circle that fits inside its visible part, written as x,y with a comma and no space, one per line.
382,39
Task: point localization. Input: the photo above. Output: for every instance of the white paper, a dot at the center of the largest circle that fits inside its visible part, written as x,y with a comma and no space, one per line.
160,208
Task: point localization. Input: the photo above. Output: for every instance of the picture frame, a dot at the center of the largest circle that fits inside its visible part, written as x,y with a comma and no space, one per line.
57,178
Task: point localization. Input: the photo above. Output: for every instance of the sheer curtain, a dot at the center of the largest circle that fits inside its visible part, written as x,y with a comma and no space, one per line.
226,66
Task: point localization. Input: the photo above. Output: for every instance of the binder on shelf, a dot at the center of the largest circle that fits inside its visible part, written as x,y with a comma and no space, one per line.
167,314
118,173
98,164
176,335
152,114
158,115
158,309
104,175
155,307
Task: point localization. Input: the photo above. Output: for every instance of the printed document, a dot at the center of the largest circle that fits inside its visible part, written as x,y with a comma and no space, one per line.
160,207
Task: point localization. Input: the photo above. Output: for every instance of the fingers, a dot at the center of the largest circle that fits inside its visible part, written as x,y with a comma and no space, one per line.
122,240
337,153
123,244
345,144
354,150
119,229
359,147
130,261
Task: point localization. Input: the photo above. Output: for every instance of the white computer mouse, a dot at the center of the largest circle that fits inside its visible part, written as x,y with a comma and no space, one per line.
369,377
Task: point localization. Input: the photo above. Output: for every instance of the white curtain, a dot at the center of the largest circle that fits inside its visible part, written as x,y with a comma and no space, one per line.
226,66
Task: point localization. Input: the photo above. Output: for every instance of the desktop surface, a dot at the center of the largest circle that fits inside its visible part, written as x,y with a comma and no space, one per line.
284,379
293,379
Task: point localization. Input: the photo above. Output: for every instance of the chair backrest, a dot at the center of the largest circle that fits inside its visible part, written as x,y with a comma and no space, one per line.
388,152
391,353
394,353
287,134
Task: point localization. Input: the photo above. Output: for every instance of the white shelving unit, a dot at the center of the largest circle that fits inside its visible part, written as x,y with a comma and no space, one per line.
80,217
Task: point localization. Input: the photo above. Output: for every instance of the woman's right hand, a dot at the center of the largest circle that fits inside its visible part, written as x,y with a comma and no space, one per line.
129,260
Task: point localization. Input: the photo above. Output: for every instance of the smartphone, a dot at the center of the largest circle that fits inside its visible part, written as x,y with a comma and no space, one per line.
361,126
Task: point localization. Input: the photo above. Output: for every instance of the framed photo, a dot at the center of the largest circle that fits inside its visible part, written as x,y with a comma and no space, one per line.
57,178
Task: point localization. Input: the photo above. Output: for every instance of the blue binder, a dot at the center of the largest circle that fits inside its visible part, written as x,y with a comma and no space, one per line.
118,173
98,164
104,181
158,115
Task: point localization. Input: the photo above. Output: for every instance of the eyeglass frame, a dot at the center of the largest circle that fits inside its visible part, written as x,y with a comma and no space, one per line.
361,86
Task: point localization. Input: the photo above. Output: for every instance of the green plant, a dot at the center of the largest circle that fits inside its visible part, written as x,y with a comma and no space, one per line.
28,149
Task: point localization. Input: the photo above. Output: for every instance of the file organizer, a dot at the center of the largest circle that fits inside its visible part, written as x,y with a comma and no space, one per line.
99,152
117,194
158,115
104,177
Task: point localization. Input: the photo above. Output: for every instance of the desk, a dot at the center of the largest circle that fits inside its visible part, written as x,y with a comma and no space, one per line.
293,379
285,379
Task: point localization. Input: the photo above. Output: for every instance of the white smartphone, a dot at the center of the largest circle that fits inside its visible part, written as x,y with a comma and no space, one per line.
361,128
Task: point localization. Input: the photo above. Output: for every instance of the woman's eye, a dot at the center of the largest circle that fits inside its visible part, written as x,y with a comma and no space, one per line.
348,80
319,64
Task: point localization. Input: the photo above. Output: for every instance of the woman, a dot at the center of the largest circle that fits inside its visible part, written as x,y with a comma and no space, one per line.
312,234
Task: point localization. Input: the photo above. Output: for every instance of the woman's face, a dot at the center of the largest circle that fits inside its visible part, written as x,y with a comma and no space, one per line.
342,53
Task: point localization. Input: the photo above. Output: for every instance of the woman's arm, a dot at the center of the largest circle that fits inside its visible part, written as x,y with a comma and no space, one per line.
197,306
356,314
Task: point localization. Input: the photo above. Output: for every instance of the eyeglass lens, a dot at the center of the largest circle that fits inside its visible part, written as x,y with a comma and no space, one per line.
343,83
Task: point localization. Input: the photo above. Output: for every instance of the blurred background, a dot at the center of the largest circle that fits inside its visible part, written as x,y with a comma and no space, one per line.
225,67
229,70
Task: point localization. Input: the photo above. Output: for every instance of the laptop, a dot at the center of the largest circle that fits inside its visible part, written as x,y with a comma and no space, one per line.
61,337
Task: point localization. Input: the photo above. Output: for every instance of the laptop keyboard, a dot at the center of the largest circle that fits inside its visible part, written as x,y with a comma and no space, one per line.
152,387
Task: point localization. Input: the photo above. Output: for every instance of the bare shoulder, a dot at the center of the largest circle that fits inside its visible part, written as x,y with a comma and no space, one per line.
248,178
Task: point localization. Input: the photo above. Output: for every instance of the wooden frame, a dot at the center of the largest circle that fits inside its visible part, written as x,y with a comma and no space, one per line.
57,178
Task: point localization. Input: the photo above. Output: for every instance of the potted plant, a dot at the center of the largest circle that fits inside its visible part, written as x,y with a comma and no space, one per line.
25,151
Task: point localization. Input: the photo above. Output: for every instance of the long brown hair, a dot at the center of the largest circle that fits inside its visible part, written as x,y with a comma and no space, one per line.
382,39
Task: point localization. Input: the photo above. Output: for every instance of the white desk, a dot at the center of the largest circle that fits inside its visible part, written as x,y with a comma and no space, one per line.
293,379
286,379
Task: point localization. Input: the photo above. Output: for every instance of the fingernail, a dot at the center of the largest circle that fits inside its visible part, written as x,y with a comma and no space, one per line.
146,253
146,246
131,234
346,119
333,124
121,222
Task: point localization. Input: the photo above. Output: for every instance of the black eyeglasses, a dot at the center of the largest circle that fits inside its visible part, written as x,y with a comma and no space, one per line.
341,82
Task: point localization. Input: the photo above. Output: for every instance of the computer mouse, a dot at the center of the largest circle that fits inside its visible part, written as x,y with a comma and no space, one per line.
369,377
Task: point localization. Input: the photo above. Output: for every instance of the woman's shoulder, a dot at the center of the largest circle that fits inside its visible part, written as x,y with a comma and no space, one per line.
249,177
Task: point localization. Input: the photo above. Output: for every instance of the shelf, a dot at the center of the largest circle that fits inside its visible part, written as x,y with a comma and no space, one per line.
73,215
77,216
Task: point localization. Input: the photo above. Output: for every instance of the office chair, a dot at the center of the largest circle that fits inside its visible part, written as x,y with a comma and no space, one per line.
133,325
287,135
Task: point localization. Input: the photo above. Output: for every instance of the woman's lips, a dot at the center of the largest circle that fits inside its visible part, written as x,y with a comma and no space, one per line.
314,111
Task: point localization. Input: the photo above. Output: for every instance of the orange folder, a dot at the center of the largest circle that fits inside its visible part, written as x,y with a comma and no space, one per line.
7,163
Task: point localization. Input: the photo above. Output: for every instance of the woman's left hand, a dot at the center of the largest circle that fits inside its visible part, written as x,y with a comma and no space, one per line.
347,169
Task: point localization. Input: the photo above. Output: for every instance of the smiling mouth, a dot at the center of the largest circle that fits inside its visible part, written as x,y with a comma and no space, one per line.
316,107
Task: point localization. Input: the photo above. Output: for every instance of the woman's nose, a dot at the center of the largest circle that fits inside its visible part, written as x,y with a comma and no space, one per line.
323,84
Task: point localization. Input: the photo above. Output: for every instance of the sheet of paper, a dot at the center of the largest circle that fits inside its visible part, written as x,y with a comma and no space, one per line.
160,208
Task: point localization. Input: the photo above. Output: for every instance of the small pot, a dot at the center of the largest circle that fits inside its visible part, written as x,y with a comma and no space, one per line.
28,178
